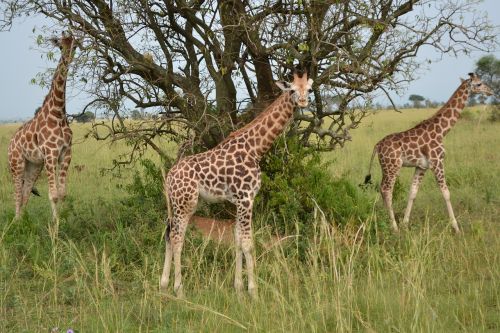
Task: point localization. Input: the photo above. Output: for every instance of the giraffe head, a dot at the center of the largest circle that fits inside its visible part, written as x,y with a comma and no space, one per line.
66,43
299,87
477,86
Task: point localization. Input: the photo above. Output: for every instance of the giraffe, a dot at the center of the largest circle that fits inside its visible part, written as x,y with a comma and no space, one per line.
45,140
421,147
231,172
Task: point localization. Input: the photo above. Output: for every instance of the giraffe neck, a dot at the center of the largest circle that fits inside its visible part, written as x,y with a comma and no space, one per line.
260,134
448,115
55,101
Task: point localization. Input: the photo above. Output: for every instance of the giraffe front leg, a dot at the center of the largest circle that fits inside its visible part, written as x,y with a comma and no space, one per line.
65,160
51,167
244,220
441,180
238,273
18,186
417,178
17,170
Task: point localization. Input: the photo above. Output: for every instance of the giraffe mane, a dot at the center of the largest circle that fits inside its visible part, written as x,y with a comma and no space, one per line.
255,120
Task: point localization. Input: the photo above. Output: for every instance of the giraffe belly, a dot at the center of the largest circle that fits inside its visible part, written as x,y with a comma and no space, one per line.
211,196
421,162
34,156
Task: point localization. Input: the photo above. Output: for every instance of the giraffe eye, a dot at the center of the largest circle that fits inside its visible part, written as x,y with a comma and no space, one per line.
479,84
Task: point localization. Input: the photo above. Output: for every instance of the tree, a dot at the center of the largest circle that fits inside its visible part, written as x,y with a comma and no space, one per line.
136,115
85,117
431,104
416,100
488,68
472,100
199,63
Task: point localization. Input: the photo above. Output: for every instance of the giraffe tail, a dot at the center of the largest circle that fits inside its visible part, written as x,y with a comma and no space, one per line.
169,205
35,191
368,177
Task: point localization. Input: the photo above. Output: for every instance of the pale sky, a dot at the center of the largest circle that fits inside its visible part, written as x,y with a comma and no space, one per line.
21,60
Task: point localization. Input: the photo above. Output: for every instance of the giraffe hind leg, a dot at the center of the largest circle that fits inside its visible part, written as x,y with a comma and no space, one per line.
183,208
165,276
441,180
389,177
417,178
31,174
245,244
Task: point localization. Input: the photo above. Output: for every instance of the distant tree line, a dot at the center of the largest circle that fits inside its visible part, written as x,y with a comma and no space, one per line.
85,117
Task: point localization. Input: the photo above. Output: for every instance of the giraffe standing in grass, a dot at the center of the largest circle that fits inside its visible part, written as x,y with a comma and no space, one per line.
421,147
45,139
231,172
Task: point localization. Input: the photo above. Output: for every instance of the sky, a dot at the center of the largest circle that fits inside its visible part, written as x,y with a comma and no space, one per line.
21,60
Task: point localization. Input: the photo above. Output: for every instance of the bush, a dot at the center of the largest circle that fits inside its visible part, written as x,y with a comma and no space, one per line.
146,192
495,113
86,117
296,183
467,115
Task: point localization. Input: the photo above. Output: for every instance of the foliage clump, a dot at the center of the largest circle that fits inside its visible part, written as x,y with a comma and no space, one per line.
297,184
146,196
85,117
495,114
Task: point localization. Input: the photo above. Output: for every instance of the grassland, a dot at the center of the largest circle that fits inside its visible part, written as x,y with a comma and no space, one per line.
100,271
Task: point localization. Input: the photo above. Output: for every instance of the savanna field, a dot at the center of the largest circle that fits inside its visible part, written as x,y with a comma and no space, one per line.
99,269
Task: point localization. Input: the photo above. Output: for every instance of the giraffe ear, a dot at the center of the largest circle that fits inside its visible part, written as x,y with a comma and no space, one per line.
462,80
283,85
310,83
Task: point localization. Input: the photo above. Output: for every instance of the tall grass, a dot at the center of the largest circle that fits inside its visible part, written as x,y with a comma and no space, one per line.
98,270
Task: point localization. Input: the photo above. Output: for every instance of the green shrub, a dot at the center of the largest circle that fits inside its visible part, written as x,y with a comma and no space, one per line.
467,115
146,197
296,183
495,113
296,186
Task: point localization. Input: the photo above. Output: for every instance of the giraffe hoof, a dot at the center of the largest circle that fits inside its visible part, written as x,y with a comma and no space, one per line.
253,293
179,292
163,285
61,195
238,285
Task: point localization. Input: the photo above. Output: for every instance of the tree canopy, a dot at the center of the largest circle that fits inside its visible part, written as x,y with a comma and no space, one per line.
417,100
488,68
85,117
207,67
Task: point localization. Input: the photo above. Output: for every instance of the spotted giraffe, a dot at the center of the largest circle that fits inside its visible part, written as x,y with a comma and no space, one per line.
421,147
45,139
231,172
